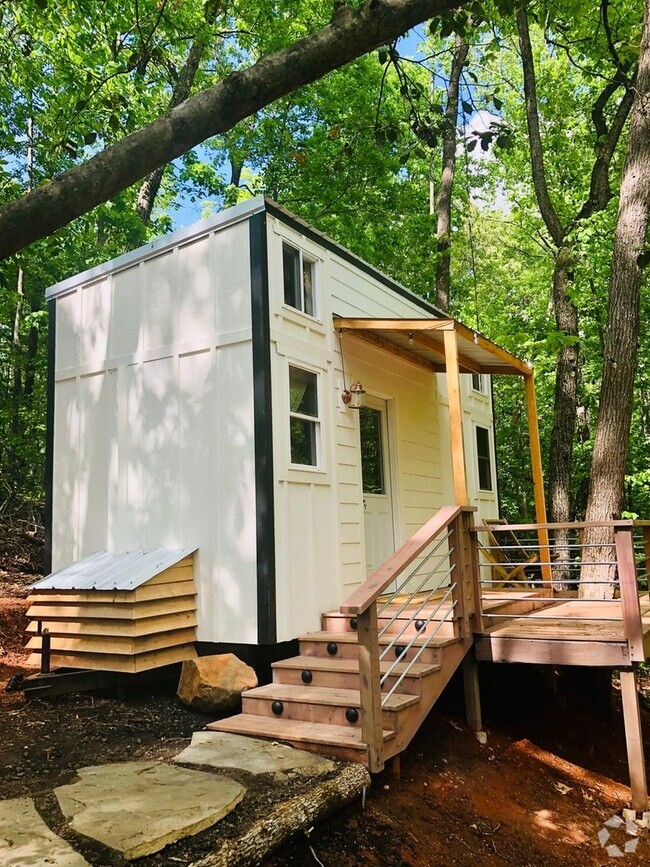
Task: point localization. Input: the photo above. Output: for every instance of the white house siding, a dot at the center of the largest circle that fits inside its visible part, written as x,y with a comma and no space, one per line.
320,555
153,432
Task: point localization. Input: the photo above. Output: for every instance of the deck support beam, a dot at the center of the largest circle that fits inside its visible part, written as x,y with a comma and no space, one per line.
634,742
455,419
473,713
538,479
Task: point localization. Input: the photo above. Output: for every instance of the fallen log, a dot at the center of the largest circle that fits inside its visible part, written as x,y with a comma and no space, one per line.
288,818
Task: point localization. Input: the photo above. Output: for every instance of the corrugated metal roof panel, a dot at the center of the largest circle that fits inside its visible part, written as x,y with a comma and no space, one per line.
103,571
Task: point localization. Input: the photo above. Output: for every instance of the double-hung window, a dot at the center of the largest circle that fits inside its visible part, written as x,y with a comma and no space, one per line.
299,284
304,417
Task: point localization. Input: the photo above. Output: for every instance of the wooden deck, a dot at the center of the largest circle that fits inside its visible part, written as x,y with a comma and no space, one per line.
559,632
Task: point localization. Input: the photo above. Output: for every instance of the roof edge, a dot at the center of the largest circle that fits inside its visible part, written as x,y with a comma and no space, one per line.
300,225
236,214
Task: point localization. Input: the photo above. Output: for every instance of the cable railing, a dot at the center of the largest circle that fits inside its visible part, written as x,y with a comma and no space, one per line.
429,583
599,579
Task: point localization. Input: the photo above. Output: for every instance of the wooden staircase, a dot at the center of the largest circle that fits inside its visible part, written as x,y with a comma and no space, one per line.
360,688
314,701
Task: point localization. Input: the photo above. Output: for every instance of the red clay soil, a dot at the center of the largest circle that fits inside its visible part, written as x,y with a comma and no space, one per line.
553,771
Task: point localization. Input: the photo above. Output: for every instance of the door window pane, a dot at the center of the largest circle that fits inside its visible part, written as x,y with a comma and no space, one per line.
372,457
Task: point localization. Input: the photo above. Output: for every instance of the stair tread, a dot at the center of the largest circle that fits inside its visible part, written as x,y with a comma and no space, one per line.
351,638
331,663
293,730
324,695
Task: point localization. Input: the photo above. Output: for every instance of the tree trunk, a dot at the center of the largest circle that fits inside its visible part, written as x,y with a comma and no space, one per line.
445,189
564,412
351,33
606,486
288,818
182,89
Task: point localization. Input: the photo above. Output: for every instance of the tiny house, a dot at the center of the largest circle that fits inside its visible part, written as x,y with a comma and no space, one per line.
204,398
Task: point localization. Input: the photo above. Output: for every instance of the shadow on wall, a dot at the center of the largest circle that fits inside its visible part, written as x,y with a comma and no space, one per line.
154,430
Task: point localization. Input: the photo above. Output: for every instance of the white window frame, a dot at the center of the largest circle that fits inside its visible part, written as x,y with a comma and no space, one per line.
482,384
302,259
317,420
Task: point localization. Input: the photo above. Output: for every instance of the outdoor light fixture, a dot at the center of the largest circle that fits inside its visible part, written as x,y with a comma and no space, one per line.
353,397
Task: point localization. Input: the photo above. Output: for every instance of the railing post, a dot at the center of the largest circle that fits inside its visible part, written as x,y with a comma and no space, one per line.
457,560
474,570
634,742
632,622
370,687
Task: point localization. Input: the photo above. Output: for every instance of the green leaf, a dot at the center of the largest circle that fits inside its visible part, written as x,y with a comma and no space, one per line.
498,104
468,108
382,56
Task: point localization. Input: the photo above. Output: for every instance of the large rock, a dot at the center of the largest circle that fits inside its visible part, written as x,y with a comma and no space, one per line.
214,684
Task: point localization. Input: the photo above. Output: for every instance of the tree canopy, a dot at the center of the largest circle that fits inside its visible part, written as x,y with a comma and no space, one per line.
328,110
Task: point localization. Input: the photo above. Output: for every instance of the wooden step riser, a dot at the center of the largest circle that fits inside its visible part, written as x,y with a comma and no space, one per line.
345,754
341,680
347,650
341,623
319,713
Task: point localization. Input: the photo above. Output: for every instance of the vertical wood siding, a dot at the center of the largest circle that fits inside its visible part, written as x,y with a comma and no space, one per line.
319,515
153,439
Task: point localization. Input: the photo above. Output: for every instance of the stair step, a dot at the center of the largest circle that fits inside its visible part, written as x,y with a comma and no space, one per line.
318,704
295,731
322,695
328,671
316,643
338,622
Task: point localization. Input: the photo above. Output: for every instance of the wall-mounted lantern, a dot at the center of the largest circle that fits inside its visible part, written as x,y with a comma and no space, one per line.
353,397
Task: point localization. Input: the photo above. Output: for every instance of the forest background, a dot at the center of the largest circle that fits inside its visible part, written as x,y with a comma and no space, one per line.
477,160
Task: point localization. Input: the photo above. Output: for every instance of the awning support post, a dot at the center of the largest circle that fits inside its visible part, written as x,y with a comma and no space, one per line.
455,419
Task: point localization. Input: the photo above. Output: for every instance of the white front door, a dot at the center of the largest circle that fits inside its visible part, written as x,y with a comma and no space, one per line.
377,495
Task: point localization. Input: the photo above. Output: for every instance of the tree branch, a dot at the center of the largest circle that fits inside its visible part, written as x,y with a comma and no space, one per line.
547,211
600,191
351,33
182,89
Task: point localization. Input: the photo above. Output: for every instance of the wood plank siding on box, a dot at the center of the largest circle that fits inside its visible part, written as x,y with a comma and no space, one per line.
147,619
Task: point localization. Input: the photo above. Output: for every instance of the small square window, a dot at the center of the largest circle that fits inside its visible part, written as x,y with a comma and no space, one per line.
479,383
483,458
298,276
304,420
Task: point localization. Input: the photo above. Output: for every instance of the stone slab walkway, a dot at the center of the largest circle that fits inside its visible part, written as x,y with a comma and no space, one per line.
26,841
136,808
223,750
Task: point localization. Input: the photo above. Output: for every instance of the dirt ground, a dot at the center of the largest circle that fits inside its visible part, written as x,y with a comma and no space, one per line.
553,771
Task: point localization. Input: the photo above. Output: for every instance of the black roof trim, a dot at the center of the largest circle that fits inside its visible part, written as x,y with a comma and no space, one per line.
294,222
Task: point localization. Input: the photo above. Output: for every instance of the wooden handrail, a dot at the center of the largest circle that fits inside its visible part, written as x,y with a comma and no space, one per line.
368,593
573,525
